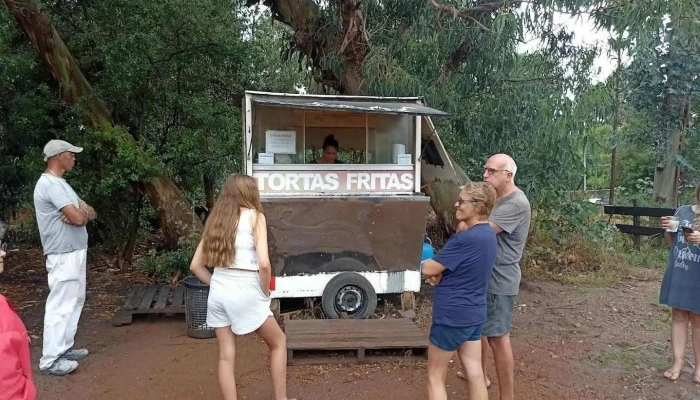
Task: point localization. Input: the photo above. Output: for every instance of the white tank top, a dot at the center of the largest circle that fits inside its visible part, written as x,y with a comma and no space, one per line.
246,256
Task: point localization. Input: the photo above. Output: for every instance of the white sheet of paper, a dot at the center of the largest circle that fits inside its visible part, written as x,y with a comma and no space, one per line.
280,142
266,158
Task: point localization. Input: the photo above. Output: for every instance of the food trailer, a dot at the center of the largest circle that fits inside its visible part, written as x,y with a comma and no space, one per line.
348,231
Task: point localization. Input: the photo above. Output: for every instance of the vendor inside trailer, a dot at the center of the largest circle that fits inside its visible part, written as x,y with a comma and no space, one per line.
305,146
330,152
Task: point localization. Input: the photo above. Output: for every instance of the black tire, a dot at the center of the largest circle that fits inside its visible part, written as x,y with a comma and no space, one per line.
351,294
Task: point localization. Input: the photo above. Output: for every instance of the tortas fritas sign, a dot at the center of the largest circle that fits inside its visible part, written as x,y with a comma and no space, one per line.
334,181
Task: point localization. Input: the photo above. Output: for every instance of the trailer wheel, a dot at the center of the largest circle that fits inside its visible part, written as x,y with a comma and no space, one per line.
350,294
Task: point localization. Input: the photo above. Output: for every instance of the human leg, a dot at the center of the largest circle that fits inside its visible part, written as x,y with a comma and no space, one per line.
276,341
227,362
438,360
470,355
695,323
679,338
61,303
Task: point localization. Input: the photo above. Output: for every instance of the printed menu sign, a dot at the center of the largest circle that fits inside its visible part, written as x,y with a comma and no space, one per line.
280,142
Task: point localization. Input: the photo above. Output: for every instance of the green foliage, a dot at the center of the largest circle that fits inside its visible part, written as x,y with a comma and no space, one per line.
167,264
172,74
566,219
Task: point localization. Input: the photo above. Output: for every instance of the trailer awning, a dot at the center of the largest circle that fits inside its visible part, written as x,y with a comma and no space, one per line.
375,107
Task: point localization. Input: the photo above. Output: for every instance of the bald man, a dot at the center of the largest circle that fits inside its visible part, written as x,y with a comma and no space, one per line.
510,219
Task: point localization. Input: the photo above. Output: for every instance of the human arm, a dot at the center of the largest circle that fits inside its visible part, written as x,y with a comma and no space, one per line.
198,267
447,259
90,211
86,211
432,268
15,370
261,249
59,198
2,260
508,215
668,236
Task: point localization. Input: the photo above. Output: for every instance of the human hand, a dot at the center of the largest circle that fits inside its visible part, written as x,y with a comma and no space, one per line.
2,260
434,280
665,223
65,220
693,237
462,226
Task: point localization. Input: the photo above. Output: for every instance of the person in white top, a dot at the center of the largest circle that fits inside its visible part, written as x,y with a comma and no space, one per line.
234,242
61,217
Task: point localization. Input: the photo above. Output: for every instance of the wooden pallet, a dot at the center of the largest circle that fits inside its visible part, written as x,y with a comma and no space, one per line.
150,299
319,341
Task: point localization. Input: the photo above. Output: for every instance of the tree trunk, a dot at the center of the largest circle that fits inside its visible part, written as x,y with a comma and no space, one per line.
128,254
209,195
176,211
667,173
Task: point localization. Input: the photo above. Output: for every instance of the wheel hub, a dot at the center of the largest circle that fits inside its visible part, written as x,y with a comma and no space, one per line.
349,299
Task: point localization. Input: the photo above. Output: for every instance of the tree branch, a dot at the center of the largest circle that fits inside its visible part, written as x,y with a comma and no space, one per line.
468,12
456,60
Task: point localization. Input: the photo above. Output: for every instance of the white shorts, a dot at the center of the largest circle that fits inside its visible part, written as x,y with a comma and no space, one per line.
236,300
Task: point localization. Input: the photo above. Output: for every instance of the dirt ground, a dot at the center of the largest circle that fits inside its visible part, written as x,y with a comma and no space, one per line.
569,343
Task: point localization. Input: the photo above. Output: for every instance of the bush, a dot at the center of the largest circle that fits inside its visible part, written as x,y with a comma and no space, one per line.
167,264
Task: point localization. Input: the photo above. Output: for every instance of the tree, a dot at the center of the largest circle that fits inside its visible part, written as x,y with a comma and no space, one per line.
461,58
176,212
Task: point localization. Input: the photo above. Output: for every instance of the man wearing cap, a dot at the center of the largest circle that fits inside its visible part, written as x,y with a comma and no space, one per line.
62,216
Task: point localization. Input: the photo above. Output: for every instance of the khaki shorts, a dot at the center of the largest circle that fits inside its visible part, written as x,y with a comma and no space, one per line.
499,314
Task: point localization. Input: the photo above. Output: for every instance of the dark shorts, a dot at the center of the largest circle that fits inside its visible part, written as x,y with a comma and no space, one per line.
499,314
449,338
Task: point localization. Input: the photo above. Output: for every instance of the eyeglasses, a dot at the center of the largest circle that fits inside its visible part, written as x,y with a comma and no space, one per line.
460,201
492,171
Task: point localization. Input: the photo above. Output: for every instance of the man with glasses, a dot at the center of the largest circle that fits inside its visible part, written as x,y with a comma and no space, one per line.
510,219
62,216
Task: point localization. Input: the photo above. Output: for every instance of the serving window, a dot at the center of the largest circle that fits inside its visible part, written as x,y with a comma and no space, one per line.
284,136
376,152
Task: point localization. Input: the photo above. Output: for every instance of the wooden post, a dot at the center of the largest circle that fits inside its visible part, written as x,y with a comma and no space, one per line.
635,222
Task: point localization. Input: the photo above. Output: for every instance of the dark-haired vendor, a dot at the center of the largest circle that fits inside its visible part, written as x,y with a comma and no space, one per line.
330,152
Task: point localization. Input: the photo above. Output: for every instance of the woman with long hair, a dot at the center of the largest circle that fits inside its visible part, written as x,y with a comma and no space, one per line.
234,242
680,287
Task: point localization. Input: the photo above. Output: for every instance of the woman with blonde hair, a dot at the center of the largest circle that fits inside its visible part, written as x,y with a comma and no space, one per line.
234,242
680,287
461,272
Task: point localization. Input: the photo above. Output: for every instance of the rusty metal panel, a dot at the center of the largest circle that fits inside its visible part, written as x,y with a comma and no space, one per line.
334,234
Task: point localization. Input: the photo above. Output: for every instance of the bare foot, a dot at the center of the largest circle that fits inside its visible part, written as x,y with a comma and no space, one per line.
673,375
460,374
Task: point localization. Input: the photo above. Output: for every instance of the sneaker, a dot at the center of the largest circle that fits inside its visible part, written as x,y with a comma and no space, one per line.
61,367
74,354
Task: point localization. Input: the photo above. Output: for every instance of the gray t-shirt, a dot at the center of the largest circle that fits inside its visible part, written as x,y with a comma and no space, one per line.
512,214
51,194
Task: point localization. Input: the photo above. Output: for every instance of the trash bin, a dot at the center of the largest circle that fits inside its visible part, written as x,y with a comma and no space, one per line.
196,295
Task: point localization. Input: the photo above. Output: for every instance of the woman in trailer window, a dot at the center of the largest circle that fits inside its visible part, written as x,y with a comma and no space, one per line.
330,152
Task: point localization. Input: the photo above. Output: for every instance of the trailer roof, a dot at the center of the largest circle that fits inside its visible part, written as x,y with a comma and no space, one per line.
377,105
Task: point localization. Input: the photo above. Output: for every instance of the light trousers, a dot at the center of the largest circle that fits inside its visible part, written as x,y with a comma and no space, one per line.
67,276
